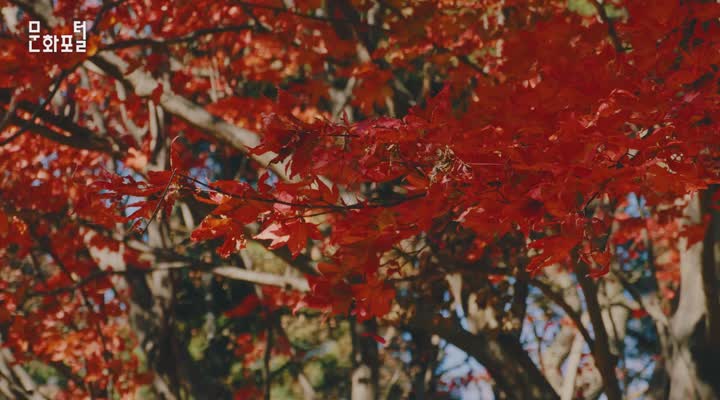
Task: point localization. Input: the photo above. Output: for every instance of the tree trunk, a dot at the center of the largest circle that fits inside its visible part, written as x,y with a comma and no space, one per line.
422,365
365,375
693,356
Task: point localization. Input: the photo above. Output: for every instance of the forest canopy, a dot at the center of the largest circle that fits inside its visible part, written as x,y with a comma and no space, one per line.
359,199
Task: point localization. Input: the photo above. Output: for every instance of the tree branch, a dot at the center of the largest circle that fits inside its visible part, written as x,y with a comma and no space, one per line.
604,359
76,139
175,40
568,388
262,278
612,32
14,379
143,84
502,355
560,301
709,268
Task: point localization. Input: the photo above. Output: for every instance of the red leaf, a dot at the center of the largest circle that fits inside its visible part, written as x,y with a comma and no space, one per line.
554,249
596,273
694,233
602,259
157,93
373,298
245,308
375,337
176,154
4,224
212,228
294,234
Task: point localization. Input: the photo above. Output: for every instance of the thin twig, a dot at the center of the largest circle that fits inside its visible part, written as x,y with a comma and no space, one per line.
612,32
105,8
301,205
160,202
10,112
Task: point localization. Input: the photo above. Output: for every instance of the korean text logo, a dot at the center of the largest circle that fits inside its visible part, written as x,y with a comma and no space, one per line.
48,43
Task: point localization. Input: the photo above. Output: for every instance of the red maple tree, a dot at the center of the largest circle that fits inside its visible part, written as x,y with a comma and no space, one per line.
530,182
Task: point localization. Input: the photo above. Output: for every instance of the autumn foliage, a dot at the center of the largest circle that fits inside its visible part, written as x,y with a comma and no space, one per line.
404,164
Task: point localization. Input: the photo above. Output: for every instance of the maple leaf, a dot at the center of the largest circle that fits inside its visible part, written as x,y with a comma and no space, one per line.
225,228
328,295
249,304
157,93
554,249
373,298
330,271
694,233
294,234
601,259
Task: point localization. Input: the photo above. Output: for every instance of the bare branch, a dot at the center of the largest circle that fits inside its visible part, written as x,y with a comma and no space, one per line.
175,40
569,311
612,32
143,84
502,355
568,388
604,359
262,278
